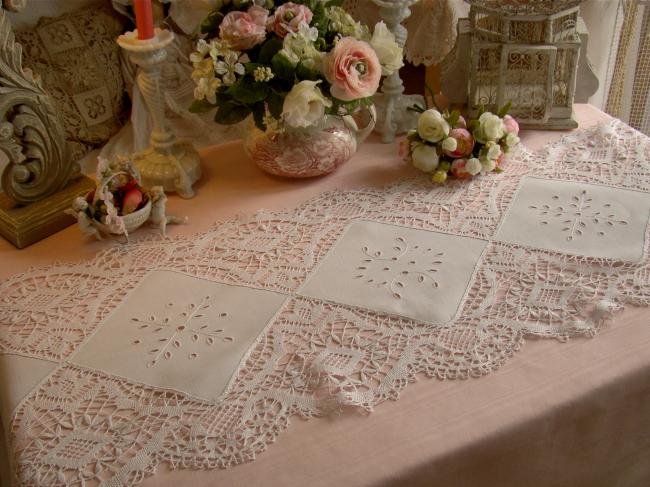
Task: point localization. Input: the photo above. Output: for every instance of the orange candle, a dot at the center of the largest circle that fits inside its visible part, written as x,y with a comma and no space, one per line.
143,18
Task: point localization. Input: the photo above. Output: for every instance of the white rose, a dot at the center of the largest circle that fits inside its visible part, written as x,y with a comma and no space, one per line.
388,51
512,139
488,165
491,127
432,127
473,166
304,105
449,144
493,151
425,157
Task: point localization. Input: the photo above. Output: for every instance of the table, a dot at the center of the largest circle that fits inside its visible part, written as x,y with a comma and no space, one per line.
556,414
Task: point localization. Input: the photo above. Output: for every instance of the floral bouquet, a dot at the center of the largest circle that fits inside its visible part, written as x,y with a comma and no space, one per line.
446,145
288,63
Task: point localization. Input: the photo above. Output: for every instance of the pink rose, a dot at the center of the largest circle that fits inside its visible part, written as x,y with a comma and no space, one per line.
243,30
405,149
353,69
288,17
511,125
500,160
464,143
461,123
458,169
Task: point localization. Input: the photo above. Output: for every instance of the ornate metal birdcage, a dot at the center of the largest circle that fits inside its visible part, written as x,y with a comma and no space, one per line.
525,52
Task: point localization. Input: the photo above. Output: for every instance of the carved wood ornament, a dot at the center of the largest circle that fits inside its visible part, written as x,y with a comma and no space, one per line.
31,131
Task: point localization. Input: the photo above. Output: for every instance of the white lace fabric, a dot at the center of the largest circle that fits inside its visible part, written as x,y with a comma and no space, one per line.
84,426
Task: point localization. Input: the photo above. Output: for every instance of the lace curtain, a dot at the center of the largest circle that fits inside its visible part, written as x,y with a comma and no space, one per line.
628,84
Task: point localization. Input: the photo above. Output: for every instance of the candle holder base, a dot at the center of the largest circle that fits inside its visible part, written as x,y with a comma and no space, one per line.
176,169
393,116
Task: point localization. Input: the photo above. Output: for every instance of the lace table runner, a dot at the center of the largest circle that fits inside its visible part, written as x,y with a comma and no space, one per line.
197,350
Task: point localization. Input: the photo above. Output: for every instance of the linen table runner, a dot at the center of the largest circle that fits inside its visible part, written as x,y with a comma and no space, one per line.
197,350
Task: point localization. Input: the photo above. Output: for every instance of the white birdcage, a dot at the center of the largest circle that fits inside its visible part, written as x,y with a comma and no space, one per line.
525,52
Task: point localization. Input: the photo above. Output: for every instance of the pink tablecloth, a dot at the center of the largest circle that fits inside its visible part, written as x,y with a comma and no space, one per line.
557,414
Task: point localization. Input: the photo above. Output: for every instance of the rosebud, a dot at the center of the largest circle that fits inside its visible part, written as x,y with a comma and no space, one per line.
464,143
439,177
458,169
405,149
132,200
511,125
473,166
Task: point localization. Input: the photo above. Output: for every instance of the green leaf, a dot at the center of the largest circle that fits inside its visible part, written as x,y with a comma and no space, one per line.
415,108
201,106
211,23
275,102
251,67
269,49
503,111
247,91
230,113
258,116
453,118
282,67
414,137
305,72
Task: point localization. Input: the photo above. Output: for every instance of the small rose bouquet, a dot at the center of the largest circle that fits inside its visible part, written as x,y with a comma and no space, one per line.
288,62
445,145
118,195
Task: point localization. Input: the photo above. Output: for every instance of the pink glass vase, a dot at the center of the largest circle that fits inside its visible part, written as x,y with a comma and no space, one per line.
312,151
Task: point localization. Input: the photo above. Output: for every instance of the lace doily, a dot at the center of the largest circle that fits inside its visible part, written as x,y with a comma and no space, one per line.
321,352
431,27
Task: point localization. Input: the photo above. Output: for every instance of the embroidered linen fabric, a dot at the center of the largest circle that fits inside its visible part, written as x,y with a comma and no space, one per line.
318,346
431,27
79,62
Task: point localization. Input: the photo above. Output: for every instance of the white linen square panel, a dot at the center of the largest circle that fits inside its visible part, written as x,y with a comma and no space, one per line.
578,218
412,273
180,332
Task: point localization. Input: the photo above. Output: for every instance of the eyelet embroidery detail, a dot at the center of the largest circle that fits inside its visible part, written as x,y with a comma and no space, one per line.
398,264
578,215
170,331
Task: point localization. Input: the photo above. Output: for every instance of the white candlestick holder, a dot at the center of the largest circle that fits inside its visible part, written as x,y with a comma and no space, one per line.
167,162
393,116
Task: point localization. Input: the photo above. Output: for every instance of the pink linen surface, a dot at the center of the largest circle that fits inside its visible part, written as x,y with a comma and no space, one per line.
557,414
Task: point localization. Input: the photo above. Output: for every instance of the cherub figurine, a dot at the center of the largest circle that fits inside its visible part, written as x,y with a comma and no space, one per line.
158,217
79,207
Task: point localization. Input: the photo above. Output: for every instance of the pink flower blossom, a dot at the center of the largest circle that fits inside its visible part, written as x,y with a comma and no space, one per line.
244,30
458,169
353,69
288,17
465,143
405,149
511,125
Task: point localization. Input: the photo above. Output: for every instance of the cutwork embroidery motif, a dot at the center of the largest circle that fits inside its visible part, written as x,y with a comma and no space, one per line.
170,331
400,264
579,214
